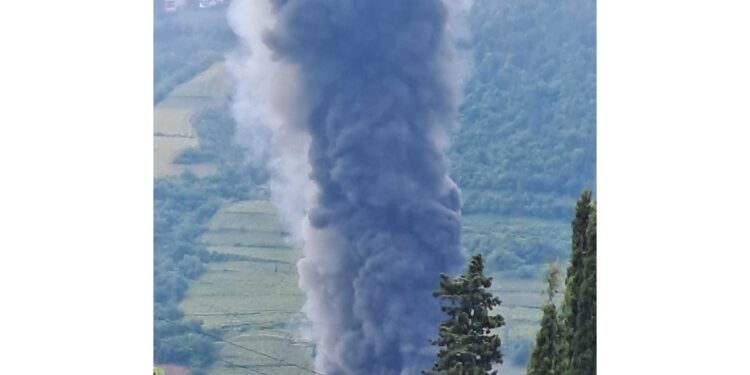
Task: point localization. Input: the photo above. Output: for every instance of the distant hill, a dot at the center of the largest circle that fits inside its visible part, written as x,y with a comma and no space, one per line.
186,42
527,145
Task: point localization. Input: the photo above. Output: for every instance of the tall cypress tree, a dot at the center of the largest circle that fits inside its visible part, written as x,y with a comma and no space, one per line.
579,306
546,355
583,358
468,346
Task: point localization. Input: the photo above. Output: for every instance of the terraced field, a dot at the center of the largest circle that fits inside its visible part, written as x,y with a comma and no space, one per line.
252,297
173,129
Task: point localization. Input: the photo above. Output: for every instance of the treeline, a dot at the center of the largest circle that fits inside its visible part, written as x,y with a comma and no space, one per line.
527,142
182,207
548,205
187,42
566,342
516,247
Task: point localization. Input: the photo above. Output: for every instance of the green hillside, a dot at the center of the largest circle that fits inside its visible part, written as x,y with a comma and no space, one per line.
527,142
175,117
187,42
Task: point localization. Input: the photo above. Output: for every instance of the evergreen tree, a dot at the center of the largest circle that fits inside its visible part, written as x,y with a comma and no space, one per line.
546,355
578,311
467,344
583,358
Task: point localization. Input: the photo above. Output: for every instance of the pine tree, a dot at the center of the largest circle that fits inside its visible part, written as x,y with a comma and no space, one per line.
467,344
578,311
546,355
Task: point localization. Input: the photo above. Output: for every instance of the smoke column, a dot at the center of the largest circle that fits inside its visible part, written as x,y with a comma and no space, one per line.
359,97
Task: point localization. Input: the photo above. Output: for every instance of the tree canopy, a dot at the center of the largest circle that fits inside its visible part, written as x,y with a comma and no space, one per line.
546,355
527,141
468,346
566,344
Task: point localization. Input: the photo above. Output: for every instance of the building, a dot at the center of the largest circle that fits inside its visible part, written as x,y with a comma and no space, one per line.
172,5
209,3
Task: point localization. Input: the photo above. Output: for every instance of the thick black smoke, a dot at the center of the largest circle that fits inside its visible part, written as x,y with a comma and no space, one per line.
378,98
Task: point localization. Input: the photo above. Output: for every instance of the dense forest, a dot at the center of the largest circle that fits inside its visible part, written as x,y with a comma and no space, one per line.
187,42
527,142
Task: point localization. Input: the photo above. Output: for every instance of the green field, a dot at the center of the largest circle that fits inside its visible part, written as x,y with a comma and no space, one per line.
252,299
173,120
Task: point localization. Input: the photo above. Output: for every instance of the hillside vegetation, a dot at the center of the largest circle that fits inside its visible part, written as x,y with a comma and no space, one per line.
187,42
527,145
180,124
183,207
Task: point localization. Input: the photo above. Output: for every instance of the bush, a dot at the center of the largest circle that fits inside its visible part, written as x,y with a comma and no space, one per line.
191,266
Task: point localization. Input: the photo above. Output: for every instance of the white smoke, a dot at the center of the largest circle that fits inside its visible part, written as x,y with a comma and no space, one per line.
265,89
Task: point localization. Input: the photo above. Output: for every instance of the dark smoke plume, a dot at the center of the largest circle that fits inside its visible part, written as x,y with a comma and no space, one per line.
370,87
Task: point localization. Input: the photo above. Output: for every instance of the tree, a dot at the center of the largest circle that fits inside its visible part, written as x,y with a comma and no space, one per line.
579,307
546,355
583,358
467,344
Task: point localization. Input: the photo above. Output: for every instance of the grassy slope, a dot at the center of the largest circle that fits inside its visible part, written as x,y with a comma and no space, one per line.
173,129
253,301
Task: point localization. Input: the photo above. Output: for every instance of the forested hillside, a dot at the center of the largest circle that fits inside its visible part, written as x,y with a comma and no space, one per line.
186,42
527,143
526,147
